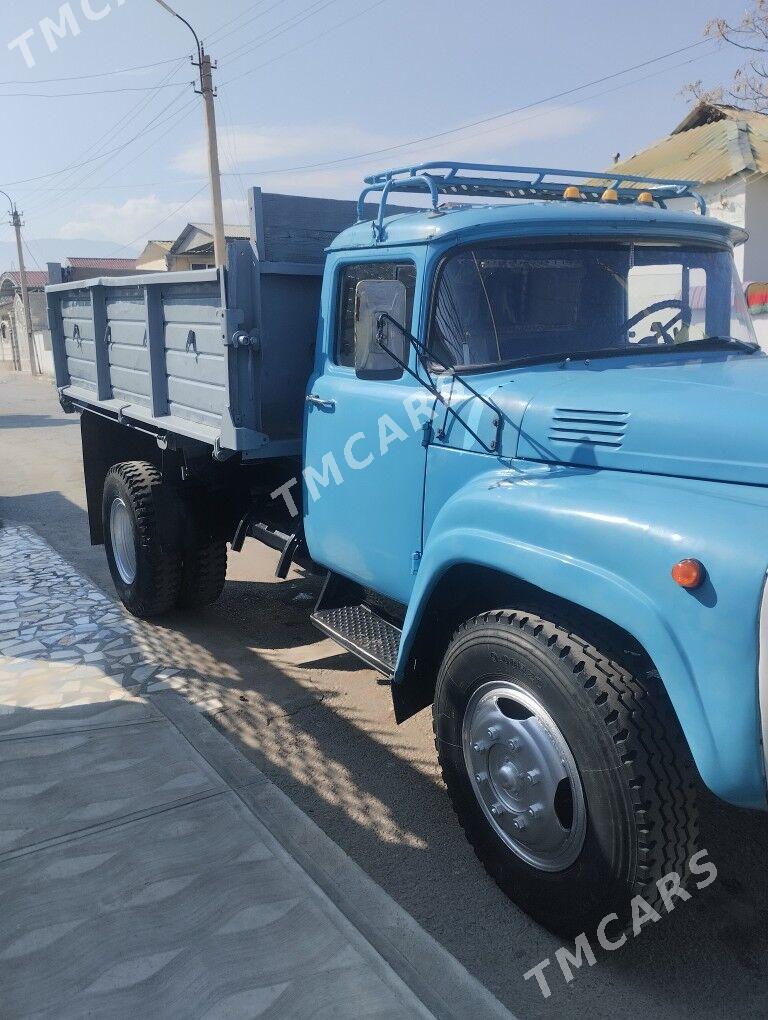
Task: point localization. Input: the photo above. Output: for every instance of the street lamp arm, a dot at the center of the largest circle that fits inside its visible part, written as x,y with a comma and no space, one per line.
11,203
214,173
185,22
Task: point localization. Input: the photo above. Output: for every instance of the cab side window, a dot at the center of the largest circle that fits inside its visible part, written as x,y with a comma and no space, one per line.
351,275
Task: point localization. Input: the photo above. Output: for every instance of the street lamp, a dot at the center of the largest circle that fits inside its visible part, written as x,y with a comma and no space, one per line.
214,172
16,224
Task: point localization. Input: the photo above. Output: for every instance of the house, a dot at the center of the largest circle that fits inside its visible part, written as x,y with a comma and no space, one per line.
193,248
89,268
725,149
154,258
14,345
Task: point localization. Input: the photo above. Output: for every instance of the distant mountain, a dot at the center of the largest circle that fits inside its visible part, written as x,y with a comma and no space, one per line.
48,249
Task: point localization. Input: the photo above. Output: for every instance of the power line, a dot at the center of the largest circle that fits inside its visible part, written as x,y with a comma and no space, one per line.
99,92
307,42
32,255
112,187
475,123
596,95
86,77
253,17
97,146
280,29
175,117
85,162
153,228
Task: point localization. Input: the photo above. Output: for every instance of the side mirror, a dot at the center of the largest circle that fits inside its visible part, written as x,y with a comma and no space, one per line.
372,299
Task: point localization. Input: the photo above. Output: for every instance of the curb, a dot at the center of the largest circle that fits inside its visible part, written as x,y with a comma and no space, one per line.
441,983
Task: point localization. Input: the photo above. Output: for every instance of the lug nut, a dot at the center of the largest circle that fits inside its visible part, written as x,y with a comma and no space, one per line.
481,777
533,777
480,745
496,810
514,744
536,810
520,823
493,732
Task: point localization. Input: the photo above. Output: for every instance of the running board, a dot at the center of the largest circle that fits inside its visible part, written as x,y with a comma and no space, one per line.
358,628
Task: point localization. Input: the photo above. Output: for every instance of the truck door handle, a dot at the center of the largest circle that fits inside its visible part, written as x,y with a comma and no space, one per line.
325,405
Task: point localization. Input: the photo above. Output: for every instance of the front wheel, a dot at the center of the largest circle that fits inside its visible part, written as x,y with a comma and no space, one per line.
569,775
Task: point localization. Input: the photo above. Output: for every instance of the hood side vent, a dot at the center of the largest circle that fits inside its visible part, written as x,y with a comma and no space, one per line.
579,426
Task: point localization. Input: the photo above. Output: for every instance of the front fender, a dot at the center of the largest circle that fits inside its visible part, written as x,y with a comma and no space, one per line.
606,541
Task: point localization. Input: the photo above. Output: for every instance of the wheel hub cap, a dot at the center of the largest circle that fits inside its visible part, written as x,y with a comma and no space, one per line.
524,775
123,540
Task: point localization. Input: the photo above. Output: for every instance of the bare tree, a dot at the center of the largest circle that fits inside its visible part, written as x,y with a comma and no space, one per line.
749,86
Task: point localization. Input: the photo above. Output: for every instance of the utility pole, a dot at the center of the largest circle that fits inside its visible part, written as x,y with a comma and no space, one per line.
214,173
16,224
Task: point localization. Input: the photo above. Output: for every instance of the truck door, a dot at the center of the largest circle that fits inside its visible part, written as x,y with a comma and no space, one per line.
365,456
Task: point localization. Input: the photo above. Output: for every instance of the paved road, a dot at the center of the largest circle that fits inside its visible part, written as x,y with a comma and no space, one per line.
321,727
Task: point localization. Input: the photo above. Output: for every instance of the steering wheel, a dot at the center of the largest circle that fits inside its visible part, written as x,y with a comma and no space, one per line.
657,329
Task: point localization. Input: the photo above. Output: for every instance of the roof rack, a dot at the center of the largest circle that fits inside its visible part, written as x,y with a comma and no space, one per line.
488,180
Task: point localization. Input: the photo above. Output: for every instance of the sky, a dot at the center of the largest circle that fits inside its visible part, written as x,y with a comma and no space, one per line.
305,82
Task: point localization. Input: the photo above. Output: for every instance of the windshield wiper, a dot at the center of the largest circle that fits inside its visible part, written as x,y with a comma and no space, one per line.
748,346
708,343
429,384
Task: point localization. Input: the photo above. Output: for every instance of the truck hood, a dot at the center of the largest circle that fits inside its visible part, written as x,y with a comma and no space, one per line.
702,418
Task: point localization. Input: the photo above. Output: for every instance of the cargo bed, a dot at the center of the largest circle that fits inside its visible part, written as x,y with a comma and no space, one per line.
221,357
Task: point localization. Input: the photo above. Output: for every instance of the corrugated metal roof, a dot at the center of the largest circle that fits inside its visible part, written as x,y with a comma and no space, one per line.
234,231
709,113
106,264
707,153
35,280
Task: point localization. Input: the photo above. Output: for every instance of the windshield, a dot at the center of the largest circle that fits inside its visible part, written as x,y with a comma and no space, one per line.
500,303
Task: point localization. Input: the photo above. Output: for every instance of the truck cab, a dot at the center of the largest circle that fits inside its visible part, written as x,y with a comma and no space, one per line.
533,470
572,423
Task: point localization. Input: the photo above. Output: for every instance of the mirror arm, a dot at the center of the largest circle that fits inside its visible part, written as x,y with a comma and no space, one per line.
430,386
422,352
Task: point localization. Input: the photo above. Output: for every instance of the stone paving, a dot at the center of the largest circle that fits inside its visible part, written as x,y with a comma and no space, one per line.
134,879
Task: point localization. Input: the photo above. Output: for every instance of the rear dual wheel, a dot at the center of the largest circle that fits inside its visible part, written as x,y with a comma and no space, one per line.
568,774
158,556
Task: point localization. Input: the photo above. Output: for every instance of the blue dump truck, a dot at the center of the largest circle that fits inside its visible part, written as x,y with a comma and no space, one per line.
522,433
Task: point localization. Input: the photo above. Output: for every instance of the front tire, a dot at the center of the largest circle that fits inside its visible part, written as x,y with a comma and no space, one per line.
142,535
569,775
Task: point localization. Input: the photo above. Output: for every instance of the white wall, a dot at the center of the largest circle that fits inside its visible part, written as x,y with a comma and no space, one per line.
728,201
41,335
756,248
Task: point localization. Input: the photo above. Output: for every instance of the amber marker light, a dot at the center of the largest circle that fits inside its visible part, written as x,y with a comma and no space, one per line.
572,193
688,573
645,198
610,195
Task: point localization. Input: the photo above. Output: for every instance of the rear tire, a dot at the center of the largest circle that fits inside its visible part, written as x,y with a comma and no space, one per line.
203,574
628,813
142,534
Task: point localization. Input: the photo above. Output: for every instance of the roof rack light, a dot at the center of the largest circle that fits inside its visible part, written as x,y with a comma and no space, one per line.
488,180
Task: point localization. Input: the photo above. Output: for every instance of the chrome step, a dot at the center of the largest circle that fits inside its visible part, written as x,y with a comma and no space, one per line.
363,632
